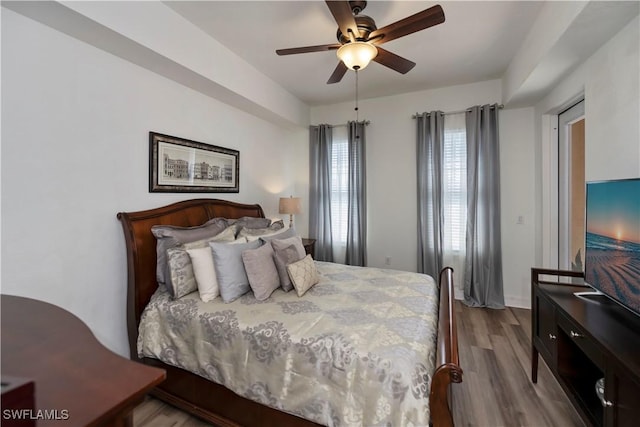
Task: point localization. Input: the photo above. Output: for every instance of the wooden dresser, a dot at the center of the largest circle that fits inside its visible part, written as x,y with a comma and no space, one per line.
76,380
583,340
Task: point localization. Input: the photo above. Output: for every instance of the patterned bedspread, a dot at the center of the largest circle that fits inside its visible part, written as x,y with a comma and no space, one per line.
358,349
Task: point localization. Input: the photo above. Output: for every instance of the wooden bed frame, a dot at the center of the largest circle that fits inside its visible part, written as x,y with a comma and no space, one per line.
211,401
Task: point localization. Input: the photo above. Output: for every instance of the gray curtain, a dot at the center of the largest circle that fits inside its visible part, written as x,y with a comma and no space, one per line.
320,138
357,197
430,140
483,266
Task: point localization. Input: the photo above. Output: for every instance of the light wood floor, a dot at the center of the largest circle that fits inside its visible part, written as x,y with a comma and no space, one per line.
496,388
495,354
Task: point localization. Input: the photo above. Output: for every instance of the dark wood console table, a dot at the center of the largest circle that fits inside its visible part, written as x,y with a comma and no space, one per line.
77,381
584,339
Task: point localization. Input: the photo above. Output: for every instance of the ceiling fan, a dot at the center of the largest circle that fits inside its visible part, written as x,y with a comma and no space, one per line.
359,38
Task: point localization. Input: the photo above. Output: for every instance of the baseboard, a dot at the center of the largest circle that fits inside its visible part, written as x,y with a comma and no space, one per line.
517,302
509,301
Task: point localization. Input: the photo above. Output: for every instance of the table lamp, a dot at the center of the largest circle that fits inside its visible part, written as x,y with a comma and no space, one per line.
290,205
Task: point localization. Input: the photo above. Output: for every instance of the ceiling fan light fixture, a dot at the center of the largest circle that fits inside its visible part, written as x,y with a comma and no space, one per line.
357,55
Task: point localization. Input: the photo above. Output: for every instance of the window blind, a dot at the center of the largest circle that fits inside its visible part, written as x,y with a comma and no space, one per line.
339,185
455,182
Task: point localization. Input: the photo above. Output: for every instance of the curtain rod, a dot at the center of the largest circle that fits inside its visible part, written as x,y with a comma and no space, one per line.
366,123
416,115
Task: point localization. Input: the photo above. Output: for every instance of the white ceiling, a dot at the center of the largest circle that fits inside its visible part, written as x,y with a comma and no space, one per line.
476,42
226,49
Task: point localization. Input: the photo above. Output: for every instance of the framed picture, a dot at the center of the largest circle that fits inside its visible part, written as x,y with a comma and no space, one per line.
178,165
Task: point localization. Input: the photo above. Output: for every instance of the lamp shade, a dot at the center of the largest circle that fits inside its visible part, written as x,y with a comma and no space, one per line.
357,55
290,205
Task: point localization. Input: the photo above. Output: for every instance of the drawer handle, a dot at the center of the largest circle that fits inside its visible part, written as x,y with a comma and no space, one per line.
552,337
576,335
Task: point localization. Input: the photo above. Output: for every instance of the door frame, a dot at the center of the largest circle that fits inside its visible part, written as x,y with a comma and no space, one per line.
547,245
566,119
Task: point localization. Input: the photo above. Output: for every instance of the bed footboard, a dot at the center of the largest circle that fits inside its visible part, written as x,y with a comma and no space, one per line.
447,360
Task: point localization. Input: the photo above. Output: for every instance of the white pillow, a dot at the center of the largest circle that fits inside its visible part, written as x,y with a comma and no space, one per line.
205,272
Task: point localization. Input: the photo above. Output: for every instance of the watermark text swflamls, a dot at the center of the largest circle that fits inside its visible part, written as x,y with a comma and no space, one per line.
35,414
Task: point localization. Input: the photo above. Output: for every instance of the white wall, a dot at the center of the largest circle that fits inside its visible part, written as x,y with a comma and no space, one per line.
612,109
610,83
391,175
75,123
517,172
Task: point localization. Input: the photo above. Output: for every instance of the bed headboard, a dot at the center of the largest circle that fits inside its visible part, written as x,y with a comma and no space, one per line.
141,246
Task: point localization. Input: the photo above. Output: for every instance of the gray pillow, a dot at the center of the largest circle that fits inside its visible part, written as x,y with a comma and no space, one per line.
287,251
261,271
255,233
283,234
250,222
227,261
170,236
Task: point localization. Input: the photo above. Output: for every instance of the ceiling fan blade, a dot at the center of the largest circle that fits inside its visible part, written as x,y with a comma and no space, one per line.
338,73
393,61
341,12
306,49
411,24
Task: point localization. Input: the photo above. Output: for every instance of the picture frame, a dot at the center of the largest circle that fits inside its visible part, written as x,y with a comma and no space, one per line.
179,165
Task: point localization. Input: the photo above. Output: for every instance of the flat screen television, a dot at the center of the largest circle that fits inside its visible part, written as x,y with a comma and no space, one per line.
612,253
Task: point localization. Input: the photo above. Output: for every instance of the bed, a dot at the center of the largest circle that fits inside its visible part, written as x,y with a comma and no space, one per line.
211,401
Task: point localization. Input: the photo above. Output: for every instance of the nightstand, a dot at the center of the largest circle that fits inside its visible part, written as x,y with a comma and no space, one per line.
309,245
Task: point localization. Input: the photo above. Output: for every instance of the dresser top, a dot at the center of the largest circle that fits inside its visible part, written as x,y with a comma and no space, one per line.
71,370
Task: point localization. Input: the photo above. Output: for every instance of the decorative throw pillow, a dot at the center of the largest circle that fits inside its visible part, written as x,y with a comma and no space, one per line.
303,274
256,233
169,236
205,273
261,271
284,233
276,221
226,235
182,281
227,261
286,252
250,222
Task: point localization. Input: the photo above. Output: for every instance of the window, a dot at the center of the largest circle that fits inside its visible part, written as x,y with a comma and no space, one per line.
339,185
454,195
455,182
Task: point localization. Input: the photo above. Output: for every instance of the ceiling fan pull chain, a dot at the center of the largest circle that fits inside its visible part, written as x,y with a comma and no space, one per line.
356,96
357,116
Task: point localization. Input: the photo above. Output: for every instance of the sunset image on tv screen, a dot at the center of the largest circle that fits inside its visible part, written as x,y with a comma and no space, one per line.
612,258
